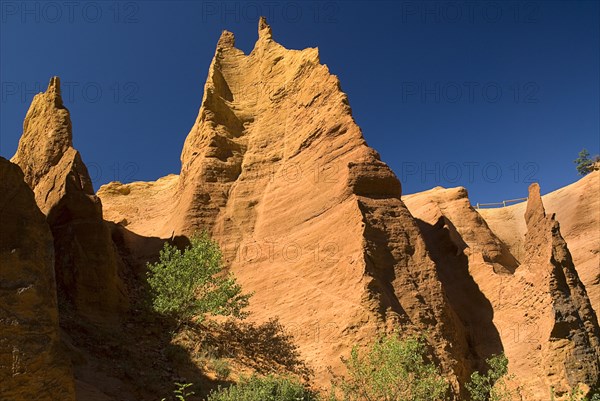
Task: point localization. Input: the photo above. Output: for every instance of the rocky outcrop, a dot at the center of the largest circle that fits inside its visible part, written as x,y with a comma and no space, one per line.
33,365
309,218
577,208
535,310
86,262
570,336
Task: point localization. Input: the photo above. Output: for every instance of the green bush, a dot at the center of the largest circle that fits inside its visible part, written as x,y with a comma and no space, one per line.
493,386
393,369
189,283
269,388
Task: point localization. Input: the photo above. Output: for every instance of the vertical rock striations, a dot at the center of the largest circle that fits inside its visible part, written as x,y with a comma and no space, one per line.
32,363
86,262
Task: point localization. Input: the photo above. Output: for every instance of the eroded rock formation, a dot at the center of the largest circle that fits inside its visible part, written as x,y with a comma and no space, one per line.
534,309
577,208
33,365
309,218
86,261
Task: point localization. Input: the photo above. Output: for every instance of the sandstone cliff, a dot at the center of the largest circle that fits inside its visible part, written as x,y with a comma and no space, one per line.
577,208
309,218
535,310
86,261
33,365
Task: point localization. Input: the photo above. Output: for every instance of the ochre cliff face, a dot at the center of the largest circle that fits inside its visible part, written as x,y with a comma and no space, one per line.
535,309
577,208
309,218
86,262
570,351
33,365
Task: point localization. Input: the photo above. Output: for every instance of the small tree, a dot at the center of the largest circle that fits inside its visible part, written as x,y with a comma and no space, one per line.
583,163
189,283
393,369
493,386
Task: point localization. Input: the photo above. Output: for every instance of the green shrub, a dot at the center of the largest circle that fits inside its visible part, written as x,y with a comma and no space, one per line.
191,283
493,386
269,388
393,369
181,392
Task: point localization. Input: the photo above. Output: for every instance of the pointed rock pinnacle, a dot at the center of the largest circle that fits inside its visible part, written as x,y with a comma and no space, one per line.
264,30
54,91
227,40
535,208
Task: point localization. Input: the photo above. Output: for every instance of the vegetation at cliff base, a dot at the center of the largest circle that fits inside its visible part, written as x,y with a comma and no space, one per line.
494,385
392,369
268,388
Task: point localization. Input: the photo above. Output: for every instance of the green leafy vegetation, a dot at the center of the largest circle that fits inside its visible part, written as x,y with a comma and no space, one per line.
269,388
191,283
577,394
494,385
181,392
583,162
393,369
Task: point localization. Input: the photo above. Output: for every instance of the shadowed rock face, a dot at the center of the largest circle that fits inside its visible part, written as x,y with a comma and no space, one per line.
308,216
536,311
86,263
32,363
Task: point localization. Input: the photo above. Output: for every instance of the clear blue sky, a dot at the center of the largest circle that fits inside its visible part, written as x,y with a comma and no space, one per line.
449,93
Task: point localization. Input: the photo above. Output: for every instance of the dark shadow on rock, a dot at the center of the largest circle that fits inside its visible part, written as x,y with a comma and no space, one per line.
136,359
265,348
464,295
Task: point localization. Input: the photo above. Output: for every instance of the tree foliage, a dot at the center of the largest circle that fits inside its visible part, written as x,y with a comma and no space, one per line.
583,163
393,369
494,385
191,283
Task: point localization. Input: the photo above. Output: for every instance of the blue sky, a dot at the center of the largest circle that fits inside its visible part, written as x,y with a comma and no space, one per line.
487,95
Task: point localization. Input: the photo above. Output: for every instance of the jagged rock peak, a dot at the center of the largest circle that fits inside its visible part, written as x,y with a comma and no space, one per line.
264,29
85,258
47,134
226,40
268,111
535,208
